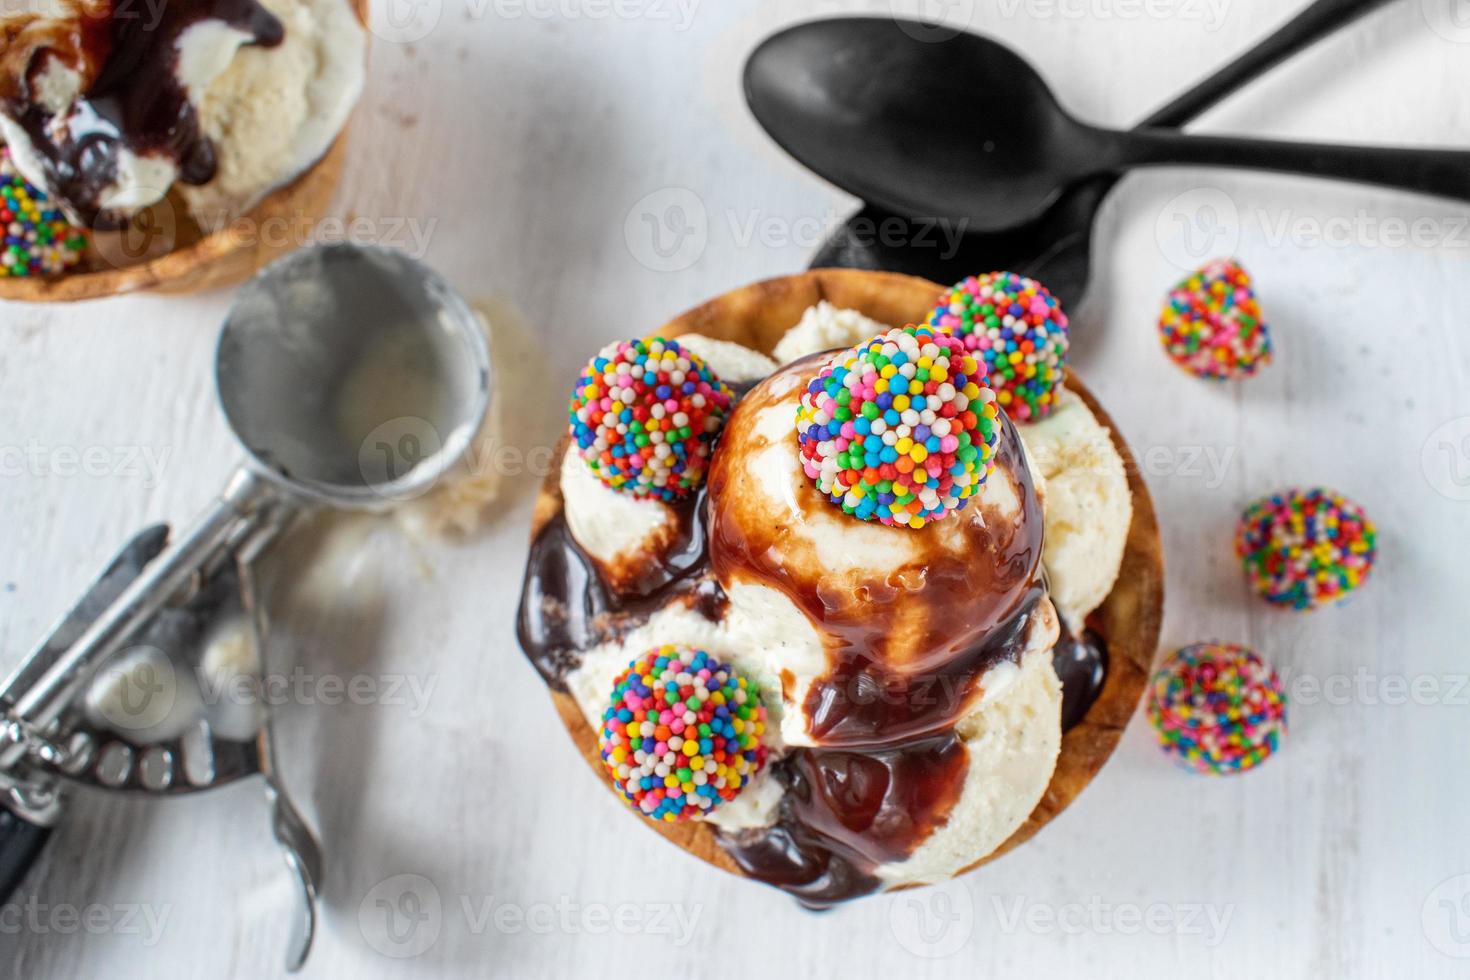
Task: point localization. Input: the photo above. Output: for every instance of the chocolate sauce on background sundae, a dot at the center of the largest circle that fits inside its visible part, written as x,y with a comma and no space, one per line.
132,97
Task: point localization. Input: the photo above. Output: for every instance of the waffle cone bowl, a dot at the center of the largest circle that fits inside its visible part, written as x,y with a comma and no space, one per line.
195,260
1128,620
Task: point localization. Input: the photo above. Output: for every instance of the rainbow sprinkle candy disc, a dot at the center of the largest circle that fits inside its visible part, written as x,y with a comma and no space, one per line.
900,429
1211,325
645,415
1217,708
682,733
1017,326
39,241
1306,549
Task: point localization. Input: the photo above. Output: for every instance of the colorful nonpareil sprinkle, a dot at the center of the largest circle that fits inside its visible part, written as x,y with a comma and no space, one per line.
1306,548
901,429
645,415
682,733
1018,328
1211,325
39,241
1217,708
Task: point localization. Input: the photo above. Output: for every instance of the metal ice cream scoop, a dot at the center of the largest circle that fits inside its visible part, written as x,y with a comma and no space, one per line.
352,377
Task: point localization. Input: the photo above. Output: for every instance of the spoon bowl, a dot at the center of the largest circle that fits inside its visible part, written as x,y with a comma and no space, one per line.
1056,247
966,129
847,98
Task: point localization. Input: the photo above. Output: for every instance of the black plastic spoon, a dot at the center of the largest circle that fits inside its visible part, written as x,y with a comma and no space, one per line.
1056,248
847,98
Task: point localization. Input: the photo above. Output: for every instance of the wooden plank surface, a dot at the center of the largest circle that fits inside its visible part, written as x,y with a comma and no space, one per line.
524,146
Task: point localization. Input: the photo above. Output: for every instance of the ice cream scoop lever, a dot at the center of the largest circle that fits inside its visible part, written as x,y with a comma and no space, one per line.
353,378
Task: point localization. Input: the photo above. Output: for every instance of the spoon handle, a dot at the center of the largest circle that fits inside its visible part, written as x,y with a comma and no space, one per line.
1311,25
1428,171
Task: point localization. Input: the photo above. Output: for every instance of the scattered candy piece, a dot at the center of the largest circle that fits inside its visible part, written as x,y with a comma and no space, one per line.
39,241
1218,708
682,733
1019,329
645,414
1305,549
900,429
1211,326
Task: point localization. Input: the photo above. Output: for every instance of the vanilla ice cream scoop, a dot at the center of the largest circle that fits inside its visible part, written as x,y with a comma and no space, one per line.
915,615
896,651
108,106
928,705
916,715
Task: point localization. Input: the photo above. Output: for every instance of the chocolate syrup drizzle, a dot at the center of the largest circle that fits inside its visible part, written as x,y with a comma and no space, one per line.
134,101
890,765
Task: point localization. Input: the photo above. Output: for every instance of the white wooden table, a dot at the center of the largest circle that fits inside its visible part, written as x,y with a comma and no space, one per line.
527,139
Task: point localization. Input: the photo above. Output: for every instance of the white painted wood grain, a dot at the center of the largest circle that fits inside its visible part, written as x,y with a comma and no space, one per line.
521,135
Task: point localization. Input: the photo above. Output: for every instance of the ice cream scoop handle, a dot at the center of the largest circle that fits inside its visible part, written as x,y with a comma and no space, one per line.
242,501
20,844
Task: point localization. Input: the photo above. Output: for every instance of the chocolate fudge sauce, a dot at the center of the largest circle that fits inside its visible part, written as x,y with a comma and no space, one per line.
568,605
1081,662
890,765
132,97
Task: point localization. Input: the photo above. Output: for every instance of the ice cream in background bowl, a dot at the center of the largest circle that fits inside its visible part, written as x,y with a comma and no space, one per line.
188,145
931,694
